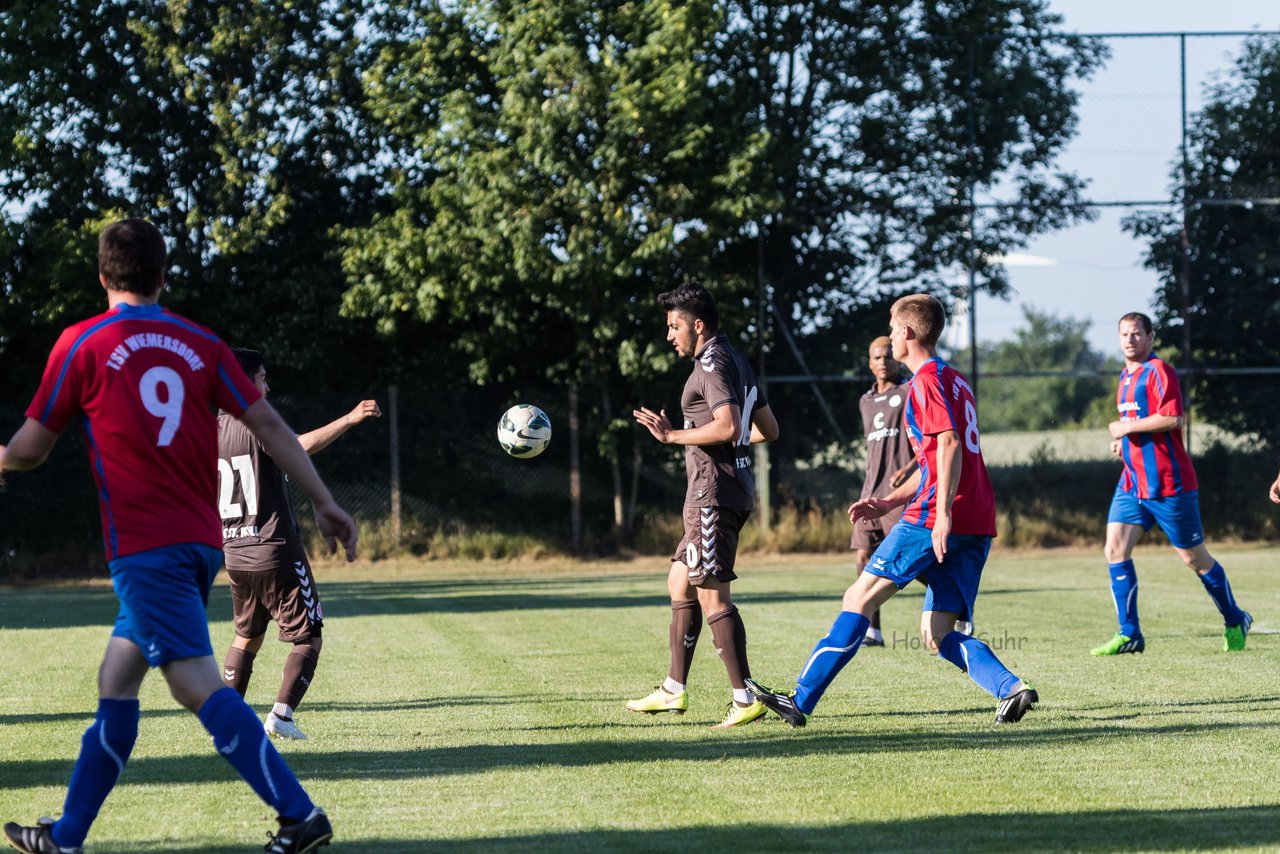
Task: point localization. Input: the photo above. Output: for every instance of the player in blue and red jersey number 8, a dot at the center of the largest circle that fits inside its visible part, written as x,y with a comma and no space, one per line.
1157,486
945,532
144,384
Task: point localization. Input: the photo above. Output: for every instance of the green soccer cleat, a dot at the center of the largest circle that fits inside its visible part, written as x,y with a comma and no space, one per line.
737,715
1234,637
660,701
1121,645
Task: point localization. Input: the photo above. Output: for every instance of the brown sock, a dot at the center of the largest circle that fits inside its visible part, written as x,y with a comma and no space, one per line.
686,624
299,667
731,642
237,667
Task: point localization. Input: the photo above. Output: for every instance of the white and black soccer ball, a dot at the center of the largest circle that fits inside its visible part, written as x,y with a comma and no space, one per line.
524,431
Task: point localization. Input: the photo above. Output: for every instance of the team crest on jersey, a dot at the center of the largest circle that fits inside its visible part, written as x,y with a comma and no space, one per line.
896,400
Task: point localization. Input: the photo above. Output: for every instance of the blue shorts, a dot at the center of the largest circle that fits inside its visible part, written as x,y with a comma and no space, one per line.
907,552
163,593
1177,515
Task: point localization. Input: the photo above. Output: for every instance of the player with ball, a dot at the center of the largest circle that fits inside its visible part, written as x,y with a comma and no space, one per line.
723,414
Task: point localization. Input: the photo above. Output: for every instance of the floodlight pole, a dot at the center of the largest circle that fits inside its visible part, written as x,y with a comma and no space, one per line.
970,260
1184,243
763,498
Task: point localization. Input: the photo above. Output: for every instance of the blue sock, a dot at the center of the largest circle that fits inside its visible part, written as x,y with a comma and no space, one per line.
104,749
827,659
1219,589
238,736
975,657
1124,589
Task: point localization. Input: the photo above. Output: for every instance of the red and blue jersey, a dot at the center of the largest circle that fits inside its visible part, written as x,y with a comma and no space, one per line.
1156,465
145,386
939,400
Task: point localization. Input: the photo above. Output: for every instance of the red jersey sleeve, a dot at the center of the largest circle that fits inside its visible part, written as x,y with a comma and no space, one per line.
233,391
933,410
57,400
1166,396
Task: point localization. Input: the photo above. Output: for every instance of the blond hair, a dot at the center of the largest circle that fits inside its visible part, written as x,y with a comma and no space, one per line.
924,314
882,341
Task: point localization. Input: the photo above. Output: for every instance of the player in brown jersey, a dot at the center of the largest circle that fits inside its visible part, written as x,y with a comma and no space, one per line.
723,414
267,565
890,460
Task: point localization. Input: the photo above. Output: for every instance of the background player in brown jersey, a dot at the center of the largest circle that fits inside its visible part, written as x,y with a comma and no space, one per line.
890,460
267,565
723,414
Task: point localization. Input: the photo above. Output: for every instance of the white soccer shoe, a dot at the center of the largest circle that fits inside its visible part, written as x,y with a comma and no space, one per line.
277,727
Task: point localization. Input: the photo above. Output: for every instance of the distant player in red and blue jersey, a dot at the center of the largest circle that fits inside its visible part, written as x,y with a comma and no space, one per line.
144,385
946,532
1157,487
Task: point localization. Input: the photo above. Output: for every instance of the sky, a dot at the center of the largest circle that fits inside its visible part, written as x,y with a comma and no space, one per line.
1130,130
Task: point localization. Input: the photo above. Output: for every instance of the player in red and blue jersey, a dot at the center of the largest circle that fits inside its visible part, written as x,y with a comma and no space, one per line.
144,385
946,532
1157,486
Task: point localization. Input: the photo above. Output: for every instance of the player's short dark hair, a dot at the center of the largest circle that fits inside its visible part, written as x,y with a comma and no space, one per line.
694,300
132,257
1139,318
250,360
924,314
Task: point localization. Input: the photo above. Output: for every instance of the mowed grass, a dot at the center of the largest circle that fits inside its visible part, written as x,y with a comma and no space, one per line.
479,707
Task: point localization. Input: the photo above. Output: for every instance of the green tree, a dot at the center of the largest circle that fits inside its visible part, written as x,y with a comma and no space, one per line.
553,166
1046,343
1231,255
227,124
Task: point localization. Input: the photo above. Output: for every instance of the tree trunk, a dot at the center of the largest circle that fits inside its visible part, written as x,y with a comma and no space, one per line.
575,474
615,467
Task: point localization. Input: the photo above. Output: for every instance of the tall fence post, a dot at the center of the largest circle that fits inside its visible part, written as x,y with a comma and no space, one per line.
393,422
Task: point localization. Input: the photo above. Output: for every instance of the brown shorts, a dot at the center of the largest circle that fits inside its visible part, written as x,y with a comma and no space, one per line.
710,544
286,594
870,533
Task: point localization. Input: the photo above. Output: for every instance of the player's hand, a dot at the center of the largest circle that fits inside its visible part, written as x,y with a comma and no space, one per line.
868,508
1117,448
336,527
941,530
1275,488
900,476
364,409
1118,429
656,423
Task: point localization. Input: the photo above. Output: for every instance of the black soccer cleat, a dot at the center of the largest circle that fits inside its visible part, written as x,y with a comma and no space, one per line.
36,840
782,705
307,835
1011,709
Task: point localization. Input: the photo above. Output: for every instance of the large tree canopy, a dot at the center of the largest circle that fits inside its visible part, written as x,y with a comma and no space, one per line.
232,126
1231,244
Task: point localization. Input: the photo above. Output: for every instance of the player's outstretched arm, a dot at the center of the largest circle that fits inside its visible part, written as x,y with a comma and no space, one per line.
950,467
874,508
722,428
1149,424
281,443
1275,490
322,437
28,448
764,427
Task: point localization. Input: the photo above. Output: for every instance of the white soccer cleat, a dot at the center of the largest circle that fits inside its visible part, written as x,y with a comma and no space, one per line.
278,727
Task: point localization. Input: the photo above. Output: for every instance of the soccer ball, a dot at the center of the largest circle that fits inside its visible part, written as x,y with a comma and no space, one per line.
524,431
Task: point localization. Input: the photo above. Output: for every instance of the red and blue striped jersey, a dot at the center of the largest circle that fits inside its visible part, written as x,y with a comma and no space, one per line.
1156,465
940,399
146,386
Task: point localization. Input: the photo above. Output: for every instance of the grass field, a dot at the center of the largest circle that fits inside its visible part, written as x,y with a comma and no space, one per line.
479,707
